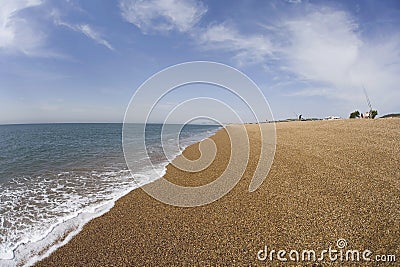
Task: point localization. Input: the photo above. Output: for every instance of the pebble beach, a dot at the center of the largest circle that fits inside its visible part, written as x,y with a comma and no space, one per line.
329,181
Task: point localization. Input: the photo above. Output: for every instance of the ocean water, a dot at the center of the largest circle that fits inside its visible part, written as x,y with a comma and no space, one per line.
56,177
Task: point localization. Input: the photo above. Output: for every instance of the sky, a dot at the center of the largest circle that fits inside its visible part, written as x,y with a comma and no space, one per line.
82,61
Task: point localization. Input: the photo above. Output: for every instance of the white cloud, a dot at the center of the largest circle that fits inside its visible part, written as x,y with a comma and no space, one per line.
323,45
86,29
294,1
309,92
162,15
183,16
16,32
89,32
248,49
326,47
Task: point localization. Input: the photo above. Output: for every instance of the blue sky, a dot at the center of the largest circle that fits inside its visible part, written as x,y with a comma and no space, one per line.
81,61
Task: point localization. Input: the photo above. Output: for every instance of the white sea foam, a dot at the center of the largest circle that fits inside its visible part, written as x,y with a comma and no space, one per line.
63,216
40,214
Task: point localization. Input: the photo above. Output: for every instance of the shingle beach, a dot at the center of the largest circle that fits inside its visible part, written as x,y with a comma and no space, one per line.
330,180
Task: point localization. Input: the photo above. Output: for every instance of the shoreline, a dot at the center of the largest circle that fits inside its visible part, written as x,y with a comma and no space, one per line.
312,197
30,252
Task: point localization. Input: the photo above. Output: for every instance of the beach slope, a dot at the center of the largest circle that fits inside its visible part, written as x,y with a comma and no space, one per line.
330,180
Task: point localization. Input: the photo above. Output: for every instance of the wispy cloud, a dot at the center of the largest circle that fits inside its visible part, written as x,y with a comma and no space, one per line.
89,32
326,47
322,45
162,15
85,29
309,92
247,48
294,1
183,16
17,33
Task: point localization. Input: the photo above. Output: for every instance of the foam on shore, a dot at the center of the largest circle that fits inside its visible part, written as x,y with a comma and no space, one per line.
73,214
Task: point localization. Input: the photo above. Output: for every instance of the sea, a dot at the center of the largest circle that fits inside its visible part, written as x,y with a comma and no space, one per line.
54,178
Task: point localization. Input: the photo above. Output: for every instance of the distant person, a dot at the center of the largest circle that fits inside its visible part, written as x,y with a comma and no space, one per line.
300,117
362,116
